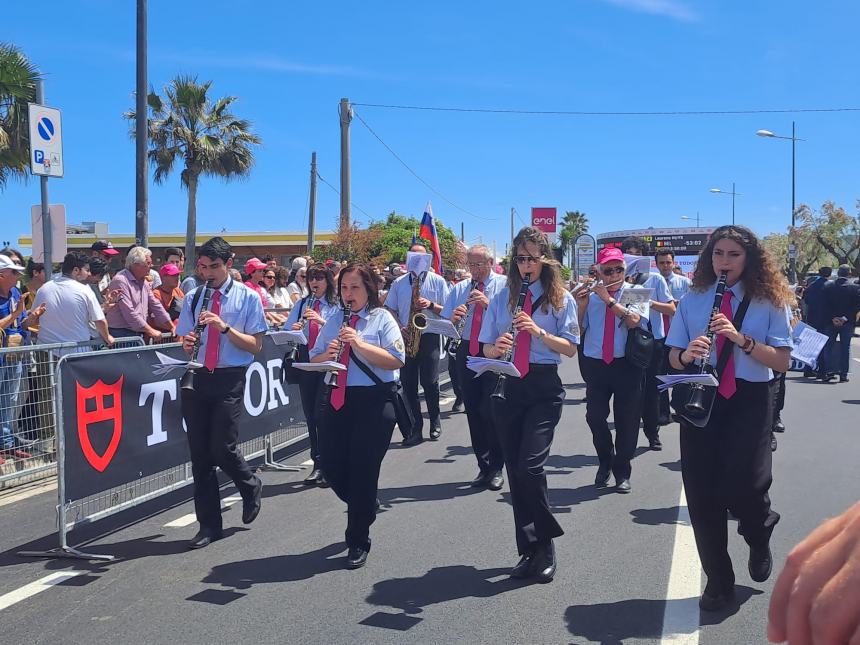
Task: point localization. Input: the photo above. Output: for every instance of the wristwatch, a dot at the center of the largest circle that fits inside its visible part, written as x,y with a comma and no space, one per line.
543,334
612,302
749,344
226,330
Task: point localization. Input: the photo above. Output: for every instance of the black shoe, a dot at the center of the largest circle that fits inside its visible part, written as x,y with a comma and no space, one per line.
829,378
716,601
843,378
204,538
623,486
435,433
496,482
481,480
413,440
760,562
655,443
602,477
772,442
356,558
313,478
458,405
778,425
809,374
251,507
544,563
524,568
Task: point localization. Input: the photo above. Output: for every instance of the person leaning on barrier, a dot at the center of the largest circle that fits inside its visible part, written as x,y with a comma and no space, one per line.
234,326
169,295
136,301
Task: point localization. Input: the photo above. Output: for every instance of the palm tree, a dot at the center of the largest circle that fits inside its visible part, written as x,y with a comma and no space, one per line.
573,224
18,78
209,140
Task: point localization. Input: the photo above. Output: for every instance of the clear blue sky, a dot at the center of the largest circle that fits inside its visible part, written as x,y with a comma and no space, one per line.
291,63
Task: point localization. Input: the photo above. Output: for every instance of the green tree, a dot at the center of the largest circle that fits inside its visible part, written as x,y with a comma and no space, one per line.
186,124
573,224
18,78
835,230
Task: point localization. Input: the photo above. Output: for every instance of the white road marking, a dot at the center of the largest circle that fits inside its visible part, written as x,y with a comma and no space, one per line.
40,585
857,359
229,501
681,617
181,522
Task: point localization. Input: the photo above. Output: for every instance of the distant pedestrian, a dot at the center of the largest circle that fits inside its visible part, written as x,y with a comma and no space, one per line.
842,297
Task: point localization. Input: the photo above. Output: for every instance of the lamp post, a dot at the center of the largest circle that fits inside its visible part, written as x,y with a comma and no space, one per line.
792,251
695,218
726,192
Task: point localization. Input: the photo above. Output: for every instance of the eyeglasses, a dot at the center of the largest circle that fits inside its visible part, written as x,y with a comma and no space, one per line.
477,265
524,259
269,277
612,270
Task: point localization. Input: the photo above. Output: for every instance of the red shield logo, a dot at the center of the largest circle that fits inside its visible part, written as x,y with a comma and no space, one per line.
98,392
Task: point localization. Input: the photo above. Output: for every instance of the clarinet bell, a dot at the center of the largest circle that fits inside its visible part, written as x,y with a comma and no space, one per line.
696,404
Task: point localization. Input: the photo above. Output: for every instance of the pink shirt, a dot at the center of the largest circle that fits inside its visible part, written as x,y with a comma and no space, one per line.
135,305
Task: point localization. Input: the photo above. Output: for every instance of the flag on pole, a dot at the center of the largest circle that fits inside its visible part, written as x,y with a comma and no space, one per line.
428,232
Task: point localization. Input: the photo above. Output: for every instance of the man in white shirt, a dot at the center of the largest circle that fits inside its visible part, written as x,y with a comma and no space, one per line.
69,305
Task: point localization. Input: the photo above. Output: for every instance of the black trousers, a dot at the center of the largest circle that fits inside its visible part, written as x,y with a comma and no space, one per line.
778,387
311,388
211,412
354,443
727,466
456,377
651,396
423,367
476,398
623,383
525,422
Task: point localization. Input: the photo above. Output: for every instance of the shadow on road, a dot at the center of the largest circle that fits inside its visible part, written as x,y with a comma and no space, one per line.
656,516
614,623
674,466
571,461
426,493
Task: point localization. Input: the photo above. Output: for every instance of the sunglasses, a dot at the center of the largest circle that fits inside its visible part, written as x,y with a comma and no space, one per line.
612,270
523,259
269,277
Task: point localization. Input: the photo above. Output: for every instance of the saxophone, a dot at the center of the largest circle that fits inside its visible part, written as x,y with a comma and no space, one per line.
417,321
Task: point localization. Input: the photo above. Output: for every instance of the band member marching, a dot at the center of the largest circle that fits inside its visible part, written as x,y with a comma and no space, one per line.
224,321
310,314
608,374
727,464
360,414
412,296
465,307
526,410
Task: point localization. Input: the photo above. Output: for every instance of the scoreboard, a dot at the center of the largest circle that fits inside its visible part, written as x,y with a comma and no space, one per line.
685,243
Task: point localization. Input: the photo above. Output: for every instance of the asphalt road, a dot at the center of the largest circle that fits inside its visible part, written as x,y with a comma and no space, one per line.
441,552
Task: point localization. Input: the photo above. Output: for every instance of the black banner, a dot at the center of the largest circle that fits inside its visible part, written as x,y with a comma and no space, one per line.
122,419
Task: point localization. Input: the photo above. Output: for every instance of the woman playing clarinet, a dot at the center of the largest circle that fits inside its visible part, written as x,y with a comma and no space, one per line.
359,413
525,410
726,465
310,314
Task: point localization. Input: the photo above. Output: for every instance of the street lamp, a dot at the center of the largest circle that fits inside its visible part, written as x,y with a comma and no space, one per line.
792,251
695,218
726,192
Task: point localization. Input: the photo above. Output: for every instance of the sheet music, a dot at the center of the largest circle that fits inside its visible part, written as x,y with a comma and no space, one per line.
668,380
808,344
637,264
418,263
638,299
479,365
325,366
289,336
441,326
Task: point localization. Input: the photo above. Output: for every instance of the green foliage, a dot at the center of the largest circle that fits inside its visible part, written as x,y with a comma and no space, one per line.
573,224
837,232
18,78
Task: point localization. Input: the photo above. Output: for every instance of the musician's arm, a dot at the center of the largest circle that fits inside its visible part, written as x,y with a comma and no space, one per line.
252,343
664,307
377,356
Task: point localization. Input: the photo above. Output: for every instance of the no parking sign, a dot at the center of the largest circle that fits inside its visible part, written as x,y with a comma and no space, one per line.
46,141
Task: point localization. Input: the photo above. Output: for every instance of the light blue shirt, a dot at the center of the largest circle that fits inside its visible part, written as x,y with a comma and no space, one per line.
241,308
679,285
661,294
763,321
558,322
326,311
376,327
399,297
460,293
593,322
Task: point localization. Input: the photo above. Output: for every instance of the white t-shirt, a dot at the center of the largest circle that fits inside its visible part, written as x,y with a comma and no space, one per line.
69,308
281,298
295,288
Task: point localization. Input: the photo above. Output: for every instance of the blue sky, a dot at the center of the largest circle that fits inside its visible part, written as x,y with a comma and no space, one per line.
290,63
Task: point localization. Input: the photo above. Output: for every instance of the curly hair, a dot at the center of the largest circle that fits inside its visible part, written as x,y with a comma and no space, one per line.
550,275
761,277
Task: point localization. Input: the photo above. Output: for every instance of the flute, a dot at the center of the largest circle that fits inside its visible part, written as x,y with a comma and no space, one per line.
331,377
499,392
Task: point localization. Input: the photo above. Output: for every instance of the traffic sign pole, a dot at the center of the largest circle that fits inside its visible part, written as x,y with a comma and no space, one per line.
47,241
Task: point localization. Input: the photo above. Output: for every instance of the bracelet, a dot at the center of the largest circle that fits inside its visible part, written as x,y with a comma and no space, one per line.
226,330
612,302
681,359
750,343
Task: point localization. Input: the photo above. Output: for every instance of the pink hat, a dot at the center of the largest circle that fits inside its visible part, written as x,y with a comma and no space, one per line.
169,269
609,255
254,264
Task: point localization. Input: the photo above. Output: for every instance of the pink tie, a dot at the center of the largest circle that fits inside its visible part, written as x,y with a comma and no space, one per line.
609,334
314,327
727,380
477,317
665,324
338,396
524,341
213,340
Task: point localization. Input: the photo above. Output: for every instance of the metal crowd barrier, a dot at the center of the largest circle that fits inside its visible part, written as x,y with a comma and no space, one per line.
28,446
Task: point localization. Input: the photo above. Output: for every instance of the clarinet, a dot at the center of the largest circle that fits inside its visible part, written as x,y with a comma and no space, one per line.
696,404
331,377
454,343
193,363
499,392
293,352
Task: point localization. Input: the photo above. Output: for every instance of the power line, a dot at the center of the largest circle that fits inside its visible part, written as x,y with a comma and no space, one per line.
354,205
604,113
416,175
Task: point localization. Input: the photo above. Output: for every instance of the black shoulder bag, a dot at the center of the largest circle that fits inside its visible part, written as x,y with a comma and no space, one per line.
682,392
639,347
401,408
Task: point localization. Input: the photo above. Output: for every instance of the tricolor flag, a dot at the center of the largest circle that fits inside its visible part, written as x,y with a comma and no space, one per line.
428,232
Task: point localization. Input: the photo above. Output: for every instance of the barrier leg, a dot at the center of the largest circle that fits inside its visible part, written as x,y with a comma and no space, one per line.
270,464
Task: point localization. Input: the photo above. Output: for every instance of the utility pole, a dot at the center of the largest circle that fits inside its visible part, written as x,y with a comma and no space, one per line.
345,112
312,208
141,206
513,210
47,241
462,232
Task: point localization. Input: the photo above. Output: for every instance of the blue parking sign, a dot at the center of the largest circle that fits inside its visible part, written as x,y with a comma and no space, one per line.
38,156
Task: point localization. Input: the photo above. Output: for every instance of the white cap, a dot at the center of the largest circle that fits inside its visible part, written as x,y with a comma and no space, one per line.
7,263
